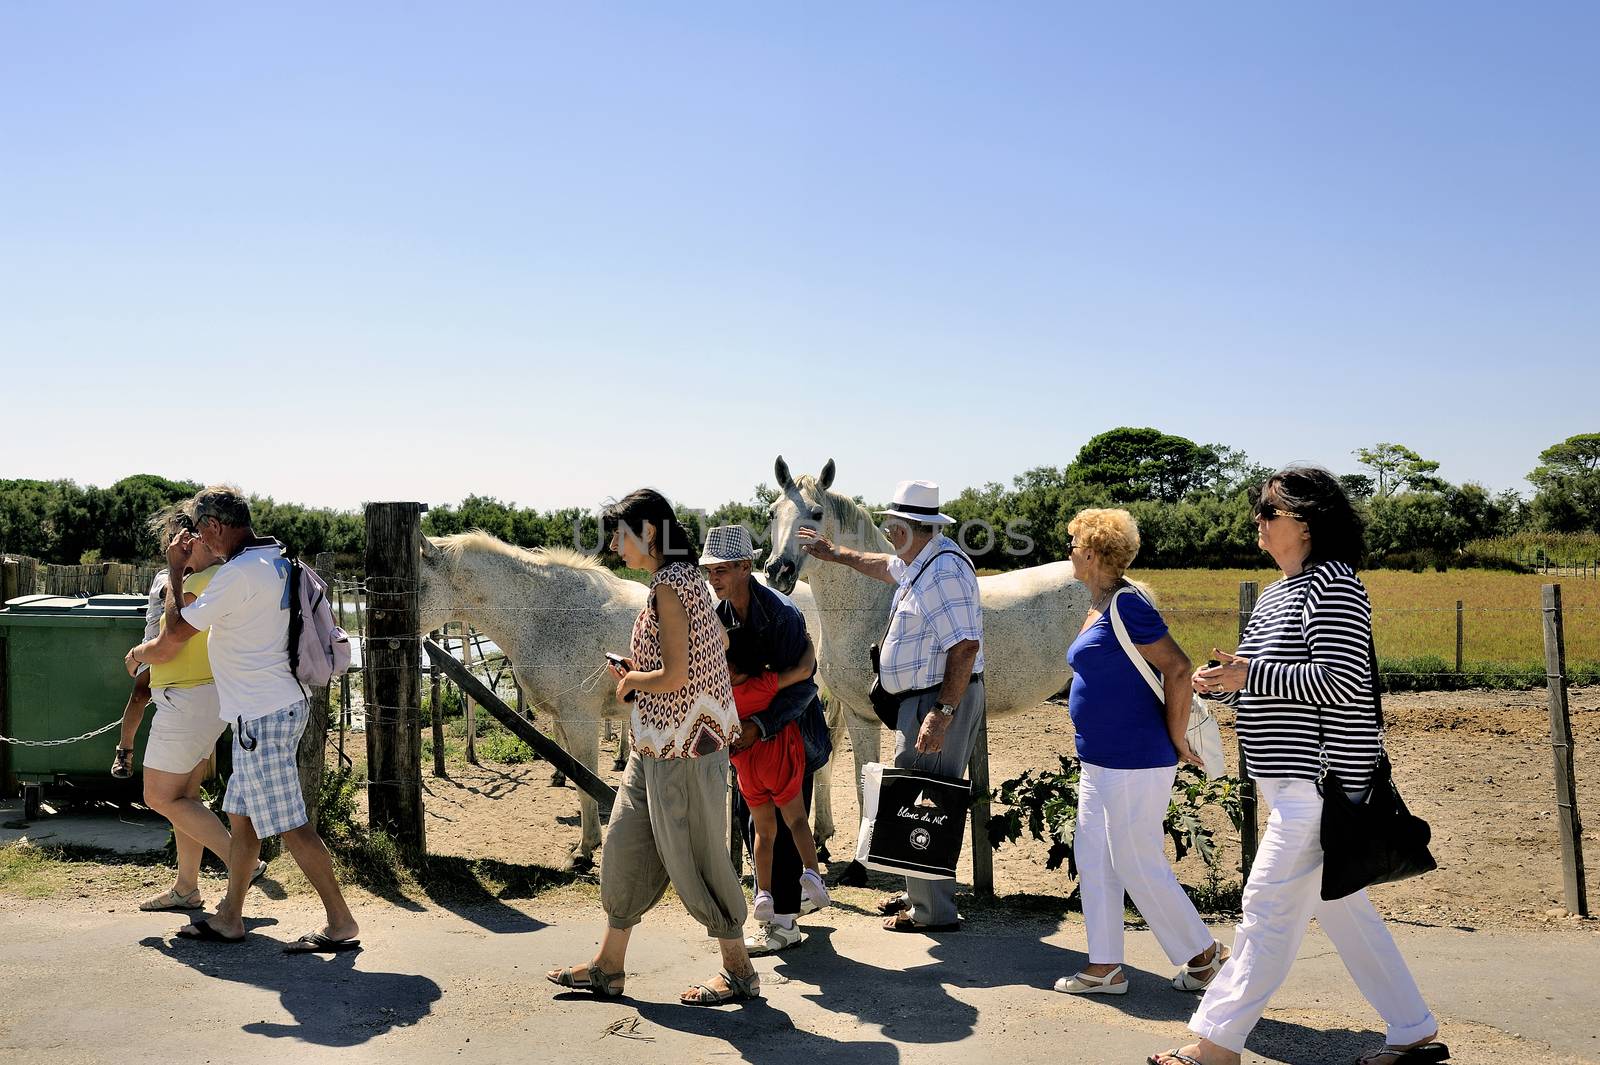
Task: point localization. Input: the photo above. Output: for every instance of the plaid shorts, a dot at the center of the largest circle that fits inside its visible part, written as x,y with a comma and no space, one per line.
265,785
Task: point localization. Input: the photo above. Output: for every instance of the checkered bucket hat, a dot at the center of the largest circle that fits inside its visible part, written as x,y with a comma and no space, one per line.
728,543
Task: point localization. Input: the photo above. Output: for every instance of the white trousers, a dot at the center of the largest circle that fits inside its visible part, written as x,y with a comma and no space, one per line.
1120,847
1281,897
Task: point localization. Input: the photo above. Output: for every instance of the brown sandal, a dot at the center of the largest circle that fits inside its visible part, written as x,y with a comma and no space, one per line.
902,922
890,905
746,990
599,984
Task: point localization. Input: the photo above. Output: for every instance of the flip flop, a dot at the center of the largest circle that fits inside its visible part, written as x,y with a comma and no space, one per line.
1417,1055
260,871
890,905
204,933
317,943
902,922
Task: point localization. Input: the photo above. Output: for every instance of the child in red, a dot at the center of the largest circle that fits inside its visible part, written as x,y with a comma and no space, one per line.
770,777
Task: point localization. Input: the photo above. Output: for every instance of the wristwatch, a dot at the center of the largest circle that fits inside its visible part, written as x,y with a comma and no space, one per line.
944,709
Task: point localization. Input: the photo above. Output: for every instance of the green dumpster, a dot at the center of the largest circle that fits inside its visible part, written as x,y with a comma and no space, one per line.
61,675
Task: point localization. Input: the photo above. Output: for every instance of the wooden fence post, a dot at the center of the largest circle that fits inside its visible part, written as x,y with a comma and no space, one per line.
466,700
982,852
437,713
394,673
1570,825
1248,831
10,579
1460,634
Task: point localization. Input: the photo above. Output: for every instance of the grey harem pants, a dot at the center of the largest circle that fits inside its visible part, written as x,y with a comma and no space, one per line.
669,823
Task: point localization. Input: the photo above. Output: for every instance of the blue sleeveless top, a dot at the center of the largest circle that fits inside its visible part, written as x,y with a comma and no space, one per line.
1120,723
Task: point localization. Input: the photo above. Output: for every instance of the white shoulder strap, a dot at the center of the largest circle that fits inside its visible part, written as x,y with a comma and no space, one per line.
1144,668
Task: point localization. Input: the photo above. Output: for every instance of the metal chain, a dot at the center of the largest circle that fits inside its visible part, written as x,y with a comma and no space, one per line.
107,727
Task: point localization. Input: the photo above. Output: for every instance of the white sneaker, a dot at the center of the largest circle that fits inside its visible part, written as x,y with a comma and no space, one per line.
814,890
763,909
770,937
808,907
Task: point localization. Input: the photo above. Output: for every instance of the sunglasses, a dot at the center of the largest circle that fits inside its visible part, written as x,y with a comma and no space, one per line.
1269,512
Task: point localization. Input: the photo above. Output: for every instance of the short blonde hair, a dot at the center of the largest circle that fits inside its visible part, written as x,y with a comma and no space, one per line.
1111,534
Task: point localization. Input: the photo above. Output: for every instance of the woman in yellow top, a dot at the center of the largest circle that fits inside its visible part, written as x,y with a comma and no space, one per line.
183,734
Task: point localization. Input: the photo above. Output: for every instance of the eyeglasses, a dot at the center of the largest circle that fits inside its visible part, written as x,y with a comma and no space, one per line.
1269,512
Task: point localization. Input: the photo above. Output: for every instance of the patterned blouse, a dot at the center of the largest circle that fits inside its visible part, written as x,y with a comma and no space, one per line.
698,718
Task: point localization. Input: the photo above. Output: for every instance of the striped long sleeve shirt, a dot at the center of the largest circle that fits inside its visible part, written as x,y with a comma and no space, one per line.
1307,643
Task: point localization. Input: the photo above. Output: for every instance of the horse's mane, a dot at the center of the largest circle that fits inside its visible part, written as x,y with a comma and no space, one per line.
847,511
459,544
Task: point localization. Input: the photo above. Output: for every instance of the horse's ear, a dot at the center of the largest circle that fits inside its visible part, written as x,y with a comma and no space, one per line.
780,470
430,550
827,475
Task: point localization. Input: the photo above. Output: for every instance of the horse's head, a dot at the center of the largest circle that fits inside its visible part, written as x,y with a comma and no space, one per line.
442,597
801,504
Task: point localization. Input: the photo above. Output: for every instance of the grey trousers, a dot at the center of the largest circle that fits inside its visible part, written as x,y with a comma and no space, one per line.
934,901
669,824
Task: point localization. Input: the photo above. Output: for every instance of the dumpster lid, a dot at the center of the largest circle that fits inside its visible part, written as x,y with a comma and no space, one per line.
100,606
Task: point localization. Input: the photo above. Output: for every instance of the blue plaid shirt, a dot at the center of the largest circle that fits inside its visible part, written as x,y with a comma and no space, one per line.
941,611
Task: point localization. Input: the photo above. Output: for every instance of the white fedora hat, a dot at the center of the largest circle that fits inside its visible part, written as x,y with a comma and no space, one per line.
918,501
728,543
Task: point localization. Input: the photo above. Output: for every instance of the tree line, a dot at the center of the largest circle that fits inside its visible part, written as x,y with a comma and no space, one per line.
1192,502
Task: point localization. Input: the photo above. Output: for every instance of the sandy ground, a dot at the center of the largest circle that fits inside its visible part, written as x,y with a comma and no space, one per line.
1476,765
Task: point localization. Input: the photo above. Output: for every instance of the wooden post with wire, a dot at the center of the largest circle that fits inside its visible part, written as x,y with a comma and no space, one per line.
393,672
1460,633
1249,838
982,851
466,700
437,713
1569,824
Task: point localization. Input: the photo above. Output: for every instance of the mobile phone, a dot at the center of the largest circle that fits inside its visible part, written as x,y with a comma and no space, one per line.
1212,663
622,664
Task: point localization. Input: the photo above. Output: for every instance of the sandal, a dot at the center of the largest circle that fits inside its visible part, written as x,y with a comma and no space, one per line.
1412,1055
1199,977
1166,1057
204,933
890,905
746,990
597,983
171,900
1085,984
902,922
122,764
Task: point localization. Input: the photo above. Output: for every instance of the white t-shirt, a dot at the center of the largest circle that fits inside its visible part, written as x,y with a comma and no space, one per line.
246,607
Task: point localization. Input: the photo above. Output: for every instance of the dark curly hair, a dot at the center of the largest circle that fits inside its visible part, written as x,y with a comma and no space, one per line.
1317,498
673,542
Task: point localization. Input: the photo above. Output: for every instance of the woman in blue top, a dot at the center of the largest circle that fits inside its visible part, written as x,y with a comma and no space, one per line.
1129,745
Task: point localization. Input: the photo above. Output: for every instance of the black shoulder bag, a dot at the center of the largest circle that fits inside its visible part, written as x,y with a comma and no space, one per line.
1376,840
886,704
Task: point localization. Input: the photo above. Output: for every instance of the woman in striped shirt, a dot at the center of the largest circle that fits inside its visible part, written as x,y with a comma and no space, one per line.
1303,687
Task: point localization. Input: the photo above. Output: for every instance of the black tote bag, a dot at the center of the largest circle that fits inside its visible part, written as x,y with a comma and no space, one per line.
1373,841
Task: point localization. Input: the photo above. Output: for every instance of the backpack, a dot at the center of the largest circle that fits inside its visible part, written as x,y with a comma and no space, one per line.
319,650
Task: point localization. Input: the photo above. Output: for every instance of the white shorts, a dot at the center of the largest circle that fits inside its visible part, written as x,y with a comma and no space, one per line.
184,732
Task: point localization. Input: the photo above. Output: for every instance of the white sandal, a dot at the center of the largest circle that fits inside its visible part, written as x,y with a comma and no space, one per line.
1084,984
1199,977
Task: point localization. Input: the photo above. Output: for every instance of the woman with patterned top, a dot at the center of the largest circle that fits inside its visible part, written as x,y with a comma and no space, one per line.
668,822
1303,686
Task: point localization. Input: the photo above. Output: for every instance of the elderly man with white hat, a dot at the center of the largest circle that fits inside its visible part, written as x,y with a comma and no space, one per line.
931,659
767,633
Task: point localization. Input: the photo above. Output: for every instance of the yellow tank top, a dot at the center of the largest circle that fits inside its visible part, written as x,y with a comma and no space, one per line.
192,666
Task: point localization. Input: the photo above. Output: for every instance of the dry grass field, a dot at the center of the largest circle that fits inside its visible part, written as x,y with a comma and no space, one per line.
1414,613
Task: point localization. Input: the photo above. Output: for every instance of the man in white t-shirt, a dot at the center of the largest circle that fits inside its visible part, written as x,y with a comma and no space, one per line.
246,609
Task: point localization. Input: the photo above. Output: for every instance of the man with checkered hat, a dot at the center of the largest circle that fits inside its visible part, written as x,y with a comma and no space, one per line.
767,633
931,659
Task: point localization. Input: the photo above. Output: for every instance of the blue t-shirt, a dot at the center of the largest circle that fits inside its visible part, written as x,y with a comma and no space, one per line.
1119,721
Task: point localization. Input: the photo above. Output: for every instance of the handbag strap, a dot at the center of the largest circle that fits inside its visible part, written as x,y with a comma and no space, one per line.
1143,668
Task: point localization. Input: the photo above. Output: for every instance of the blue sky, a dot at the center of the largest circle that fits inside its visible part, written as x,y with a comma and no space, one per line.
346,252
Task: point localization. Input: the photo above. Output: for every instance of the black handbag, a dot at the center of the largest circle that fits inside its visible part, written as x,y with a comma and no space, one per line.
1375,840
886,704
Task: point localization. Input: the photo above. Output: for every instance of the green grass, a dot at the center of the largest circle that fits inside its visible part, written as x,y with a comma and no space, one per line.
1414,621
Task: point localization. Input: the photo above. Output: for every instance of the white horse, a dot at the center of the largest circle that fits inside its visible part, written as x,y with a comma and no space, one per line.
555,613
1030,616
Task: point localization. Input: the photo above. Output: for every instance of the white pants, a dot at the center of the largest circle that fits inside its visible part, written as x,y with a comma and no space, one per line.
1281,897
1120,848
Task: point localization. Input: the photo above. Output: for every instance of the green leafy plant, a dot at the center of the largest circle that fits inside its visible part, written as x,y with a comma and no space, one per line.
1045,804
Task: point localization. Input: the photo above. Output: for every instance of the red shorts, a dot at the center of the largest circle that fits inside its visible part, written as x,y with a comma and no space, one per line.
773,770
